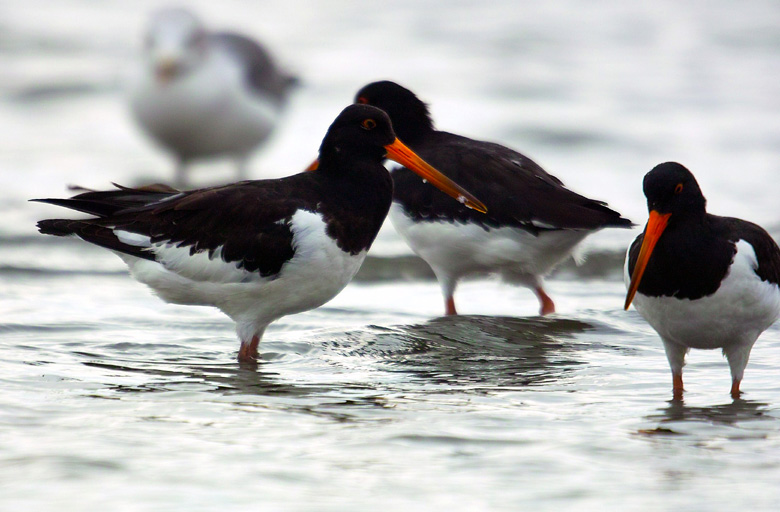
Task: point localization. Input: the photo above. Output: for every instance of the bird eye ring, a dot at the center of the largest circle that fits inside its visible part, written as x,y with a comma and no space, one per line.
368,124
678,188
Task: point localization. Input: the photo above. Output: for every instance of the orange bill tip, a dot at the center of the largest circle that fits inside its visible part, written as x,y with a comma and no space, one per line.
655,226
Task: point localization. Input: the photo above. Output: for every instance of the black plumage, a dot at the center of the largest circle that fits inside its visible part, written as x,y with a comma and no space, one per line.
257,250
249,220
520,196
696,250
700,280
515,189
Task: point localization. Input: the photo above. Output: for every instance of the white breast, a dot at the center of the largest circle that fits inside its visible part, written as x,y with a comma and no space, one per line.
464,248
317,273
739,311
209,110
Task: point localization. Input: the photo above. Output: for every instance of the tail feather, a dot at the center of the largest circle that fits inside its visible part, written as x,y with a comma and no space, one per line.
111,202
56,227
93,233
620,222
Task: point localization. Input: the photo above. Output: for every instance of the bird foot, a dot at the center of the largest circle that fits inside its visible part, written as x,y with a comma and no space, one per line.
547,304
449,307
247,353
677,387
735,392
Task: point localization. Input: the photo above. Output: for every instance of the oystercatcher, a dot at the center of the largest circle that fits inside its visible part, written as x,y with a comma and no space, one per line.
701,281
257,250
201,94
533,223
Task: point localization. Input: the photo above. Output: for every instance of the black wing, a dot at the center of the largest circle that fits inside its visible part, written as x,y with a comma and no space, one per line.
248,222
516,190
767,251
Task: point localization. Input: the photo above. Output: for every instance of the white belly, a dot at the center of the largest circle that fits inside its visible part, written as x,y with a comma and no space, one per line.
737,313
317,273
208,111
460,249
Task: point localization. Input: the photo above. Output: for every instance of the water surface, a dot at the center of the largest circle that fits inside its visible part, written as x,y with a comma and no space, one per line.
113,400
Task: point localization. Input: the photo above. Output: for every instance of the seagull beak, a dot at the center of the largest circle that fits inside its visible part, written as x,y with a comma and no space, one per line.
655,226
398,152
166,68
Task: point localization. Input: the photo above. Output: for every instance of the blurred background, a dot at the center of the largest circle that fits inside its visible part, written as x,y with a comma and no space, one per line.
597,94
112,400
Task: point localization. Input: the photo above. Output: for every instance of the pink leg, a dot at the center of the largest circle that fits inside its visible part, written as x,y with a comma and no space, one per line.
547,304
677,386
735,392
247,353
449,306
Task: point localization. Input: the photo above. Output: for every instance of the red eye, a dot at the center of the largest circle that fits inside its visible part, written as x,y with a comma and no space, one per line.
368,124
362,100
678,188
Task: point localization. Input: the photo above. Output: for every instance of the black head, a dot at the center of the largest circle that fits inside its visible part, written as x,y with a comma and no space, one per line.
409,114
358,130
671,188
362,135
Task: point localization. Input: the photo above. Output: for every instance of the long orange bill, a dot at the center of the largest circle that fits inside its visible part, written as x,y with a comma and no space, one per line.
398,152
655,226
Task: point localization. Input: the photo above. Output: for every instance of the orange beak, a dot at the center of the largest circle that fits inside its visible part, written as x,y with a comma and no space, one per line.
655,226
399,152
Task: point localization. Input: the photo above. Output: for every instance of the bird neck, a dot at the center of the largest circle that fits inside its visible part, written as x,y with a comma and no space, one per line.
412,123
694,222
412,131
338,159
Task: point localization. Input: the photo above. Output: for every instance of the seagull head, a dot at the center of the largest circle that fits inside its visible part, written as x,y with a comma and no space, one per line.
175,43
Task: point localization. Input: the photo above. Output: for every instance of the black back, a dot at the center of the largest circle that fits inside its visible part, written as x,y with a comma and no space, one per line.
250,220
515,189
696,249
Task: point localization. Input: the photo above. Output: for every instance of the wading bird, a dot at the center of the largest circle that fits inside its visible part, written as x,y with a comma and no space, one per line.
701,281
258,250
533,223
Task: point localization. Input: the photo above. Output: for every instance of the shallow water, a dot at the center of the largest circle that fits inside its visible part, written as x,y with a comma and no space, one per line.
113,400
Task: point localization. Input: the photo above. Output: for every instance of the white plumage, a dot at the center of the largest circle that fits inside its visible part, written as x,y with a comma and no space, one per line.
456,249
731,319
317,273
193,92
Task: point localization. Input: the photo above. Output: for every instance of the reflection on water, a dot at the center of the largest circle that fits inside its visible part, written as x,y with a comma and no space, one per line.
228,379
725,414
472,350
707,424
110,399
460,351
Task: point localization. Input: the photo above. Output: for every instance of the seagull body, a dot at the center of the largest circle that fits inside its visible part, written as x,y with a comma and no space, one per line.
257,250
200,94
700,280
533,222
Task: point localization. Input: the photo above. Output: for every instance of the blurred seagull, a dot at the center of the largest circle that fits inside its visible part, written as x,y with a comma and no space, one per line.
203,94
